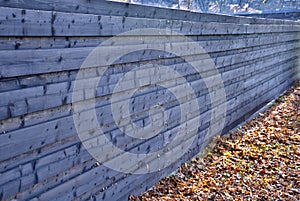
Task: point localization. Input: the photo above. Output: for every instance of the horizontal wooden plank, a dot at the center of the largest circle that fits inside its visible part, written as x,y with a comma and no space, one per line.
54,95
39,117
60,190
241,41
101,7
31,62
94,178
16,22
42,46
26,43
34,138
254,67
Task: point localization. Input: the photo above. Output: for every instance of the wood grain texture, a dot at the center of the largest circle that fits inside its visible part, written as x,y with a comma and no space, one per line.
42,46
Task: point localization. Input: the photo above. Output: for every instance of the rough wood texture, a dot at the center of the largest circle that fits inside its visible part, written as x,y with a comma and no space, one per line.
42,46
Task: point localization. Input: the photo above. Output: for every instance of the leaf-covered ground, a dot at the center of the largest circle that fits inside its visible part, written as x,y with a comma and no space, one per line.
260,161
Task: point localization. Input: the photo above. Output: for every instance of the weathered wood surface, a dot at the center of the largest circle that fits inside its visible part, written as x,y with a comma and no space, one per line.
131,10
42,46
16,22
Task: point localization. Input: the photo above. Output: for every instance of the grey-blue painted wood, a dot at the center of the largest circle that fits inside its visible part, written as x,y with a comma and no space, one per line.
42,46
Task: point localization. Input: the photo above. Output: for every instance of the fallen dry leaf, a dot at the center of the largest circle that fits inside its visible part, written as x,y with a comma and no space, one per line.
260,161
